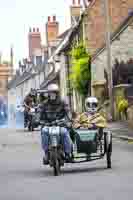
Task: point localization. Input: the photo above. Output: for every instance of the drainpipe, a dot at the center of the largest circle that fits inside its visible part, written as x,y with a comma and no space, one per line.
68,72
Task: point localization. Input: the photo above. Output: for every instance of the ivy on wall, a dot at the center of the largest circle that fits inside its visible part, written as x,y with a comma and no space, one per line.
80,71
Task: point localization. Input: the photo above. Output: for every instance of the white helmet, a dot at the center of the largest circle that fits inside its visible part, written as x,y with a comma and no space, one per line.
53,88
91,104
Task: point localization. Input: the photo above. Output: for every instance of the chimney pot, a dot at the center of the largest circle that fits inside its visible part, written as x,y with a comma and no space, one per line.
48,18
37,29
30,30
33,29
54,18
74,2
79,2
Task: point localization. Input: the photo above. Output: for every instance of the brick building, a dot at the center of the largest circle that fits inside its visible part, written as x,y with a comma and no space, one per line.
95,22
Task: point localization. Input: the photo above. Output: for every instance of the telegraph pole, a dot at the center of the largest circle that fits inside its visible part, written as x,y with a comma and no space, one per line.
108,47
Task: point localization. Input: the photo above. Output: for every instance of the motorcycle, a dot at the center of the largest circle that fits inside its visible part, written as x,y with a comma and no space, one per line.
87,146
33,118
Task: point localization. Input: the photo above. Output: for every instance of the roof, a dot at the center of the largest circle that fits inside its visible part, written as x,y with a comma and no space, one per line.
49,80
70,33
128,20
66,40
18,79
62,35
61,47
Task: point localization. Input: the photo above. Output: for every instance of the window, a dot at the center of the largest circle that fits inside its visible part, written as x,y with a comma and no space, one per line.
38,60
1,84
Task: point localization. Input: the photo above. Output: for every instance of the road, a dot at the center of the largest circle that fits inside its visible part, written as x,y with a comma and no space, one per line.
23,177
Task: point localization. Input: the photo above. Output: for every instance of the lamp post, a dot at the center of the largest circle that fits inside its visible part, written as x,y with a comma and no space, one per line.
108,46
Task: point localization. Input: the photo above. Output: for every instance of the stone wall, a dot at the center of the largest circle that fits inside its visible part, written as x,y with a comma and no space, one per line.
130,116
121,48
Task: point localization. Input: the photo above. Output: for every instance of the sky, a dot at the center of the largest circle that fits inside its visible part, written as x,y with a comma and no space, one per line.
16,16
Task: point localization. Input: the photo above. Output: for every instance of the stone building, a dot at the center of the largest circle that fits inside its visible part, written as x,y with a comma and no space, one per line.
121,49
6,74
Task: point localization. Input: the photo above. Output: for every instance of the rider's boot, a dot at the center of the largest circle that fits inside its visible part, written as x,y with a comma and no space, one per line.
46,159
67,157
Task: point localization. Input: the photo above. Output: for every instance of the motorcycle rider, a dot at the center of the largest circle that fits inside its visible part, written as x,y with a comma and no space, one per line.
28,104
54,109
91,118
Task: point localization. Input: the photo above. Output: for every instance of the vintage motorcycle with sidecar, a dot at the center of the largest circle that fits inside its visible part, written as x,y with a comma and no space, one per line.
88,145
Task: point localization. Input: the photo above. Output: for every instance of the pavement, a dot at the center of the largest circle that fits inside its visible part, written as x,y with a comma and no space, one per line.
23,177
121,130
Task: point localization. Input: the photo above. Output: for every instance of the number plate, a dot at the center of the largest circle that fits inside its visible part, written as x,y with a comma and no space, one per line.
54,130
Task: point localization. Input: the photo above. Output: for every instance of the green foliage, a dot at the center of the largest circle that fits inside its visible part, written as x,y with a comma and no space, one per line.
80,69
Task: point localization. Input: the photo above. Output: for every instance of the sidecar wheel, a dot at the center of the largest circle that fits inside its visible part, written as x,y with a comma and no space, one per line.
31,128
108,154
109,161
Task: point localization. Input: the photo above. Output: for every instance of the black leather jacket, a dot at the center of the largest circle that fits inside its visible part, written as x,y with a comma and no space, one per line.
51,111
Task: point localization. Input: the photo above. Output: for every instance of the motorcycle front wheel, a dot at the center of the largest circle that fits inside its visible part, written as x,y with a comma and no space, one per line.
55,162
30,127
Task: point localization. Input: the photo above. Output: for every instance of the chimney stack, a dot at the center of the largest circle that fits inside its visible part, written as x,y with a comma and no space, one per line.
75,11
34,41
52,29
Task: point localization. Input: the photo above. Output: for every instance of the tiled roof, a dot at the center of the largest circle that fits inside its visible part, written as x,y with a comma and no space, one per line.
62,35
18,79
49,80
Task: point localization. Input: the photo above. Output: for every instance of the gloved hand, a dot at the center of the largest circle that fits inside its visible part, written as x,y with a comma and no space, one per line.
94,125
69,124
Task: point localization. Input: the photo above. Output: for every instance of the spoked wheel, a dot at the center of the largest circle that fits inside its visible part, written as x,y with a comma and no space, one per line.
55,162
56,168
30,127
108,155
109,160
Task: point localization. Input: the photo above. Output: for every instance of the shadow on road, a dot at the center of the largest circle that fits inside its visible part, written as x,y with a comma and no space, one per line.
75,170
82,170
48,172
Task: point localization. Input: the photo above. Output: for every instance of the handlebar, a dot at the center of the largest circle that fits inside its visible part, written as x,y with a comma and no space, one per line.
61,122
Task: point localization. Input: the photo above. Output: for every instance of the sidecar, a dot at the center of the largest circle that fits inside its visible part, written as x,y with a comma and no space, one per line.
90,145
